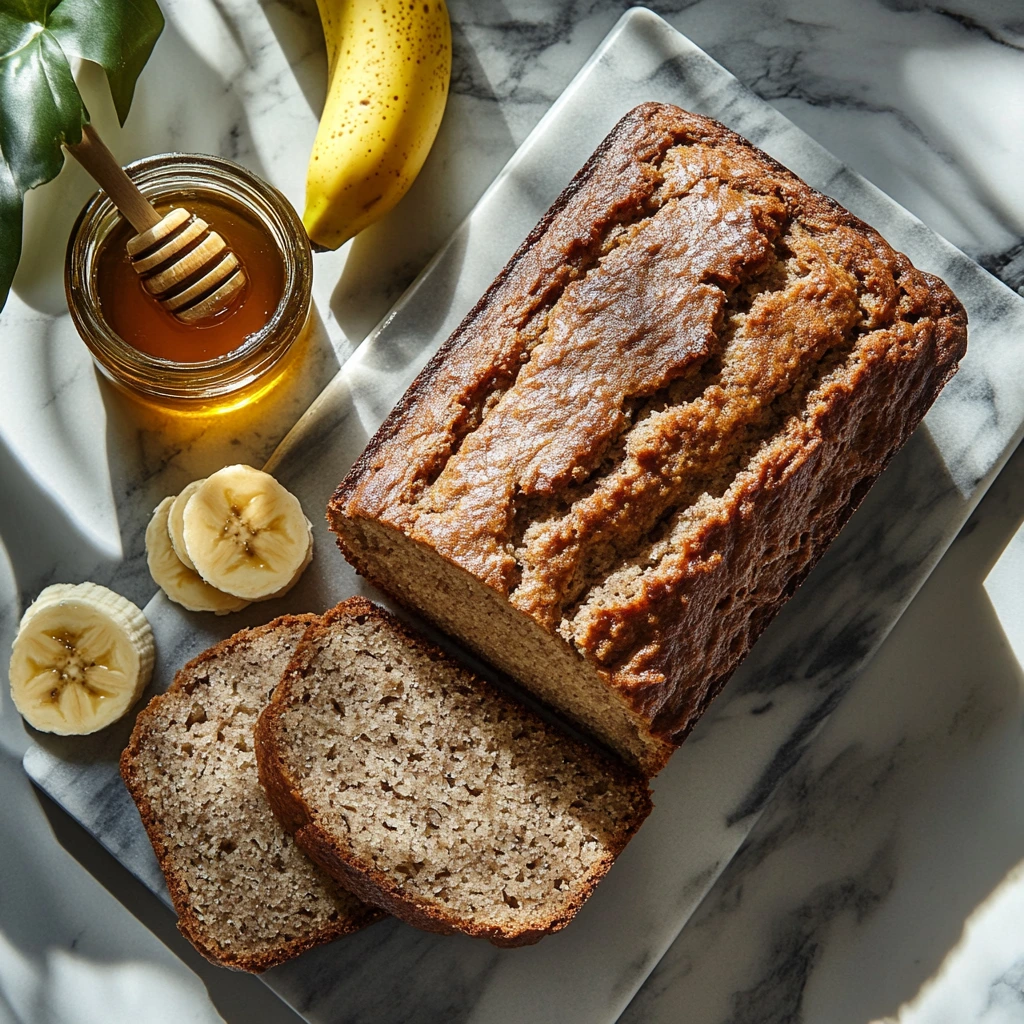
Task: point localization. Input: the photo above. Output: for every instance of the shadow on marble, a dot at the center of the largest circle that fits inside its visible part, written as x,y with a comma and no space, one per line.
944,126
157,124
850,899
385,258
916,151
399,352
40,535
164,120
829,660
296,26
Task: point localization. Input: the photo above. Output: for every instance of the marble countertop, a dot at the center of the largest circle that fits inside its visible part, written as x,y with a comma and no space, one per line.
882,882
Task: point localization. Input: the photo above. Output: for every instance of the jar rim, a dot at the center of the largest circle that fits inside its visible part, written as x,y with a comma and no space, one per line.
179,174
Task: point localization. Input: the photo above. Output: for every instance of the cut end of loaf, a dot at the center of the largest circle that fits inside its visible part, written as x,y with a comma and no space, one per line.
428,792
246,896
462,605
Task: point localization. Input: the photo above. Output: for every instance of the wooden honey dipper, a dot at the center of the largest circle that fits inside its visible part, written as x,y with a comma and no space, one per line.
187,267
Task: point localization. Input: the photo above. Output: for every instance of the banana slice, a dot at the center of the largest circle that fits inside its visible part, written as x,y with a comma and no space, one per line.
183,585
82,657
246,534
176,523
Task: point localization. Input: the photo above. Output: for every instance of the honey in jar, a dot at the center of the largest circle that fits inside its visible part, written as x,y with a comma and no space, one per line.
223,362
141,321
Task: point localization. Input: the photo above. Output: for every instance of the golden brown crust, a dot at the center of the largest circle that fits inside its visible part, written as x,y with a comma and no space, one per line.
360,878
188,923
448,470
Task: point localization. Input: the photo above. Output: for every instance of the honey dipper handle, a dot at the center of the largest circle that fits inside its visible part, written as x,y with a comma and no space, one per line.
94,156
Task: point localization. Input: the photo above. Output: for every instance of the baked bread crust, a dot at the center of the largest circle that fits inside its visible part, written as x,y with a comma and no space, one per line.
519,456
189,922
284,793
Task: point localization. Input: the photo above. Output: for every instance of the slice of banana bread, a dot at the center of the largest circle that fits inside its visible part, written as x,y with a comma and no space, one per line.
638,443
430,793
246,896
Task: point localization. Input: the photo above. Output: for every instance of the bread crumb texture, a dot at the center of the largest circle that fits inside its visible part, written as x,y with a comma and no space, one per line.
246,895
469,810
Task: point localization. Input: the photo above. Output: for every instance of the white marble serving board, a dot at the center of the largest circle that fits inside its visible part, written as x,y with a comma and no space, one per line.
710,796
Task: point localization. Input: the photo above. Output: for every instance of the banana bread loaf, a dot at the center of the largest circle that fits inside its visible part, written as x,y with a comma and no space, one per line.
431,794
247,897
638,443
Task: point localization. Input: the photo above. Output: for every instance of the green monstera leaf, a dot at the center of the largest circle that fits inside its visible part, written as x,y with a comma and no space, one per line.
40,105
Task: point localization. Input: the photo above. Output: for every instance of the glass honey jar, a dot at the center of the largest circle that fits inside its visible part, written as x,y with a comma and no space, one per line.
142,348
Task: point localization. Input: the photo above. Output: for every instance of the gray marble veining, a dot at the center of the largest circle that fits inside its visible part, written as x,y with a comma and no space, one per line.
712,793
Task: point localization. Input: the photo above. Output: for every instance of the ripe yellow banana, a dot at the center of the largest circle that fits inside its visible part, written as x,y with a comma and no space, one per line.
389,63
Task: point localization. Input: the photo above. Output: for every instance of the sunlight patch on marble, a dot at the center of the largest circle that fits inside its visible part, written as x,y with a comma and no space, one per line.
1005,588
58,987
981,112
981,978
